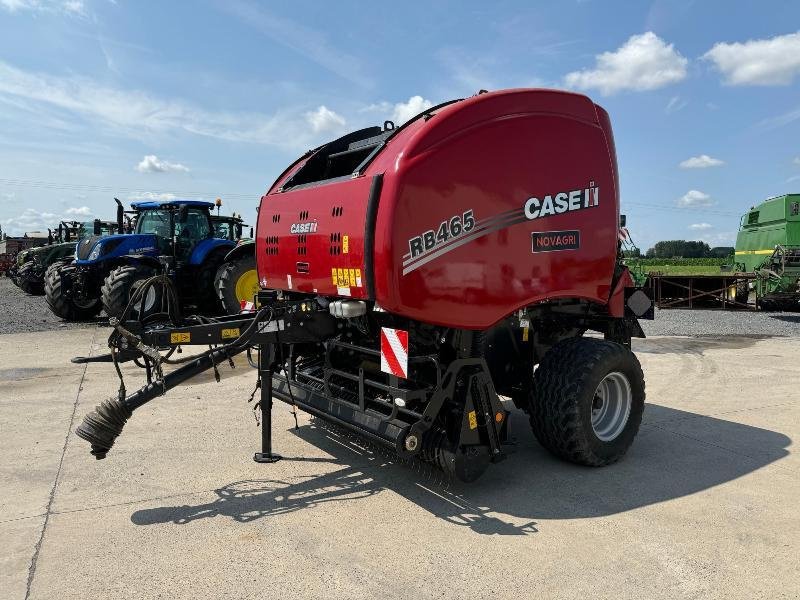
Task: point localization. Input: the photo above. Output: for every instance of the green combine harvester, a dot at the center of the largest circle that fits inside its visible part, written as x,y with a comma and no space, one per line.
768,245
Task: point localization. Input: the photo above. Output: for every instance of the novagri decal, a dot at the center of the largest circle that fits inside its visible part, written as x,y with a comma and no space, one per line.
552,241
535,207
299,228
556,204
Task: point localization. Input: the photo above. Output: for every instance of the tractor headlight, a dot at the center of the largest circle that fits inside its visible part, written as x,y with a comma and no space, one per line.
95,253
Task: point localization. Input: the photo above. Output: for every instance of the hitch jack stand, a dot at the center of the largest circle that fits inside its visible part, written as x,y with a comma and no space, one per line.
265,371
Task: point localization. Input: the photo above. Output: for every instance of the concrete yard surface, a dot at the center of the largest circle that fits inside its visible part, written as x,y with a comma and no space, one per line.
704,505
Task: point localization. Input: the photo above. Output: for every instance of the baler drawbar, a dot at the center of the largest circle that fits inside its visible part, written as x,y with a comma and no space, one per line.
412,276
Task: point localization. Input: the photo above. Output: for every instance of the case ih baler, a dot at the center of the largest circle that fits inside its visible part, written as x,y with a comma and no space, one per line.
410,276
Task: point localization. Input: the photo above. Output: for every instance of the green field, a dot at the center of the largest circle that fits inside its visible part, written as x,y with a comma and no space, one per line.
682,269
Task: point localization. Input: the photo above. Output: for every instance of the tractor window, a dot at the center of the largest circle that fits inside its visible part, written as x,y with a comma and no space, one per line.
154,221
195,228
223,230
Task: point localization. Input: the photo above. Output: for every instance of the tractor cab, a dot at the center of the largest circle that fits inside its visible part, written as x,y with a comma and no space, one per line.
228,228
178,227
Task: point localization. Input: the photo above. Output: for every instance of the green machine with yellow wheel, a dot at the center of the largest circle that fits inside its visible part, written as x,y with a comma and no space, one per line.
768,244
236,280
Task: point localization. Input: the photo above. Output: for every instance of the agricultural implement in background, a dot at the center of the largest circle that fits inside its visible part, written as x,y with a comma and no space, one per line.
766,269
723,291
768,245
34,262
412,275
175,238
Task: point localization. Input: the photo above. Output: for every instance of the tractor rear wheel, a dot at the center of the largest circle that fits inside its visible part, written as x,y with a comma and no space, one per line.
237,281
60,301
587,400
120,284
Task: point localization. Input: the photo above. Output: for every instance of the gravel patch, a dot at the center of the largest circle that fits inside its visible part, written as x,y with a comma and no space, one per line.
722,323
20,313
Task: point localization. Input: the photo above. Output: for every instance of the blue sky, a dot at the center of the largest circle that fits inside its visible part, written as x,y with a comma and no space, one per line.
103,98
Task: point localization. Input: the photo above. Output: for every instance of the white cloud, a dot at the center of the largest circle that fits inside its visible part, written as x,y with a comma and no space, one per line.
796,160
773,61
323,119
701,226
644,62
30,220
400,112
704,161
779,121
694,198
675,104
82,211
152,164
74,7
403,111
152,196
138,114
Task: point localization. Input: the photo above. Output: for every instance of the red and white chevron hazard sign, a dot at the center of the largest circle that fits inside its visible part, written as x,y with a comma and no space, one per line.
394,352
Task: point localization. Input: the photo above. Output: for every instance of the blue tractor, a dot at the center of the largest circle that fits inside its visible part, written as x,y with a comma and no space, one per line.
174,237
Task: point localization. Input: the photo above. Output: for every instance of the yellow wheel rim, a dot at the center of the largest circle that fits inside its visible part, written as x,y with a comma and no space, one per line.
247,286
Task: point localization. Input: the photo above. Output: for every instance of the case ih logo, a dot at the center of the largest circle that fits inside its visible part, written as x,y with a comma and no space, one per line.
562,202
551,241
298,228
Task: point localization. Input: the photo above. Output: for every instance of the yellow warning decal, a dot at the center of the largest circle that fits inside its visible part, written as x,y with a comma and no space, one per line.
755,251
339,278
345,244
473,419
352,277
524,334
358,277
333,276
230,333
180,337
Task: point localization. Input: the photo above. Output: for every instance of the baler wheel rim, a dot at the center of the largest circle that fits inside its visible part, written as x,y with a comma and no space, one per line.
611,406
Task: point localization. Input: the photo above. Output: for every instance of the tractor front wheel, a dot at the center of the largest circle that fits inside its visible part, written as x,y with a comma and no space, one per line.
120,284
30,285
237,281
587,400
57,287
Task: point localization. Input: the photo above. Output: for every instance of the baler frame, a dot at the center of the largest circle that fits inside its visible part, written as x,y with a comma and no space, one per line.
287,322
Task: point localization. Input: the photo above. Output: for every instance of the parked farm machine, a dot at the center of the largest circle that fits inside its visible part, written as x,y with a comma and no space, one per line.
412,275
175,238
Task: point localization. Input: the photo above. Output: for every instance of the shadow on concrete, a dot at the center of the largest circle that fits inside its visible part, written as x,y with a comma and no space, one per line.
697,344
789,318
676,454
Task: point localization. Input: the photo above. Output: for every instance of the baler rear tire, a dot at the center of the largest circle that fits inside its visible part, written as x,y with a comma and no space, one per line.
565,390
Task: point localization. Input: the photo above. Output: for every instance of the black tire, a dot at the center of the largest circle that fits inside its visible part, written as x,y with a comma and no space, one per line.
58,299
118,285
225,282
742,292
207,299
565,388
34,288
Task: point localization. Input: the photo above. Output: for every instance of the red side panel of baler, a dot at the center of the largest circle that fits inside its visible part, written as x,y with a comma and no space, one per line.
312,239
489,162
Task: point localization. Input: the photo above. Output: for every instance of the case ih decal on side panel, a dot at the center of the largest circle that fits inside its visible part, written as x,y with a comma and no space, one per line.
429,246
